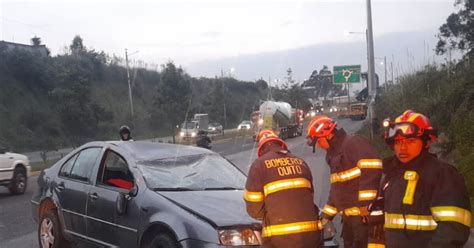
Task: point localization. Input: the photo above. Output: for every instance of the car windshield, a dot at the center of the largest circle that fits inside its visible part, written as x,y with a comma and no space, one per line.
195,172
189,125
245,123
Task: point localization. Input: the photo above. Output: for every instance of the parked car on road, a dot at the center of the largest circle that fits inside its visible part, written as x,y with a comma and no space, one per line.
215,128
137,194
14,171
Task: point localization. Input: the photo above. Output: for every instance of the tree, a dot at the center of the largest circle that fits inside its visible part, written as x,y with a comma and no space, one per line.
77,47
36,41
322,83
458,31
172,97
215,101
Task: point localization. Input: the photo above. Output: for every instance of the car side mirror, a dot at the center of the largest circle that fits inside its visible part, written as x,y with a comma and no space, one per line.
124,198
122,203
134,191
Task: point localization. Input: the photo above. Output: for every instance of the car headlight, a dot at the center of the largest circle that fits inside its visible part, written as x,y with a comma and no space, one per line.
313,114
235,237
193,134
260,122
330,110
213,128
181,134
239,127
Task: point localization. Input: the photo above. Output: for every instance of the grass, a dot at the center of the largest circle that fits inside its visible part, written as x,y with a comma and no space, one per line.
39,166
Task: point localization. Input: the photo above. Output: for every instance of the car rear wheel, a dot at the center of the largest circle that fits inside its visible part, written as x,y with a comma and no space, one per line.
50,234
18,184
164,240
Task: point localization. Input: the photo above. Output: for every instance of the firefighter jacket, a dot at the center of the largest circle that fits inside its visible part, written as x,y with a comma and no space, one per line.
279,192
355,170
426,203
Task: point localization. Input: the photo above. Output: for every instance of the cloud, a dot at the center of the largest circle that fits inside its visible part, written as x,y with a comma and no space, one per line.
211,34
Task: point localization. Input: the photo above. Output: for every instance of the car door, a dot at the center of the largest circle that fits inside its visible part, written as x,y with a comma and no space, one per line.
5,168
72,188
104,223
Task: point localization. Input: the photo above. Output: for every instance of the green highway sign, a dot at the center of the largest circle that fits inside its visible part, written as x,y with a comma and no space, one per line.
346,74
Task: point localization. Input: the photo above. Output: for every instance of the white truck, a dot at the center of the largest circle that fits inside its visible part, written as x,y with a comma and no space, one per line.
189,129
14,171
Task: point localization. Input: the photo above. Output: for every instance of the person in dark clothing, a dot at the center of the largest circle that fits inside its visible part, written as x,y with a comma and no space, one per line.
203,140
356,170
125,134
279,192
426,203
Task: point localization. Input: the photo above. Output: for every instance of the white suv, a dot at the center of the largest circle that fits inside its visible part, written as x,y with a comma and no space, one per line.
14,171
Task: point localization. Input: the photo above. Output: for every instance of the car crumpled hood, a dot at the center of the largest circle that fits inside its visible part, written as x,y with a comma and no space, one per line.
223,207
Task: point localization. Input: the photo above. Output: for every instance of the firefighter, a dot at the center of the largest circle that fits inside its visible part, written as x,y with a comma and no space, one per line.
355,170
125,135
425,200
279,192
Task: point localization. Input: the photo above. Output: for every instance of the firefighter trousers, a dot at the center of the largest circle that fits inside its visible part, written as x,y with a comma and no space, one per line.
355,233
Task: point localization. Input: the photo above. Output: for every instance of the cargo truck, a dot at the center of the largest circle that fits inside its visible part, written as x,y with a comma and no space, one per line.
279,117
189,129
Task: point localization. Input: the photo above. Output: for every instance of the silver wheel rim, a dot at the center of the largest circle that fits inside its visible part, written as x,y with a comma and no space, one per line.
21,183
46,233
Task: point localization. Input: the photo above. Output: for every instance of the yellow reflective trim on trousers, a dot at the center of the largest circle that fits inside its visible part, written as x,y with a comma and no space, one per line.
292,228
253,196
367,195
412,178
330,210
451,213
370,164
354,211
285,184
345,175
410,222
374,245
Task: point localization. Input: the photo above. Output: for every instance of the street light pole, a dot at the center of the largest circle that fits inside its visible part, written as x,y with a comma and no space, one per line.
371,69
129,84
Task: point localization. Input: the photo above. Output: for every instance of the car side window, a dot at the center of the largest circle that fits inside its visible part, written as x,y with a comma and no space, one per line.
115,172
66,168
84,164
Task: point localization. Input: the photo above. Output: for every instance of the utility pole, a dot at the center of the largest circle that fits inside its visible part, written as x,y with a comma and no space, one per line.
129,84
371,75
385,64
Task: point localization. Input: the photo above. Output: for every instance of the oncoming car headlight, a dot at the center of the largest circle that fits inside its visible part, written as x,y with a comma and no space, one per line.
236,237
193,134
260,122
181,134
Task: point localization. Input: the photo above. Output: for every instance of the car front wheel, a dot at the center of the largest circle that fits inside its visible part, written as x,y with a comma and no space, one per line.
18,184
50,234
164,240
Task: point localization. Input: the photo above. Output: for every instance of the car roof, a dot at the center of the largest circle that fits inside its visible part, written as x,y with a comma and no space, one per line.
142,150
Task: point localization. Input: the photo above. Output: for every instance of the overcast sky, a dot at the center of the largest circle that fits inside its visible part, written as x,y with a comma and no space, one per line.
190,31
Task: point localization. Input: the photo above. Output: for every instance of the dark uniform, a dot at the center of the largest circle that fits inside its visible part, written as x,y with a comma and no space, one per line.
356,170
426,204
279,191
